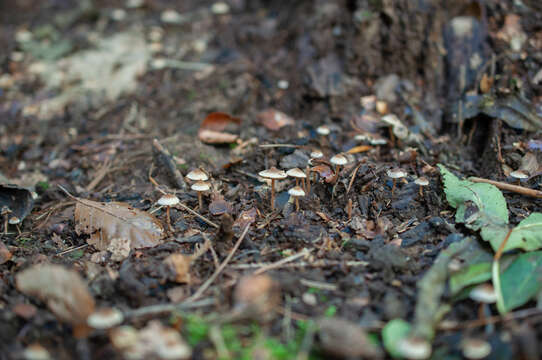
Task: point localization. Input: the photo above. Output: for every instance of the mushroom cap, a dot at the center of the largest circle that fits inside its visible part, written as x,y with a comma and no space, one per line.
396,173
317,154
519,174
14,220
475,348
273,173
378,141
296,172
414,348
483,293
168,200
197,175
105,318
296,191
323,130
200,186
422,181
339,159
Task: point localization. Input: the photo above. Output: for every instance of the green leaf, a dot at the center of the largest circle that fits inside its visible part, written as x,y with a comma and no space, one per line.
527,235
477,204
520,281
471,275
394,331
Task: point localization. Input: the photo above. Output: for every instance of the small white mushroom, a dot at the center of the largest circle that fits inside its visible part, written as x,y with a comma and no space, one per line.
394,174
338,160
323,130
197,175
414,348
168,200
475,348
273,174
483,293
200,187
105,318
297,174
421,182
519,175
296,192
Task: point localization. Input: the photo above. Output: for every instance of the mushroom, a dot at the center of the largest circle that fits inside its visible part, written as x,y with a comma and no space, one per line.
296,192
200,187
519,175
414,348
105,318
297,174
421,182
338,160
483,293
475,348
395,173
315,154
14,220
197,175
5,211
168,200
273,174
323,130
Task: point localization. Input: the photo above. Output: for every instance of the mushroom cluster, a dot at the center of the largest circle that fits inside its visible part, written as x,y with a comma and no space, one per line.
200,185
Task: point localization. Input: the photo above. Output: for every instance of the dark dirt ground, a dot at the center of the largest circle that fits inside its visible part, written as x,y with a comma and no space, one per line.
369,246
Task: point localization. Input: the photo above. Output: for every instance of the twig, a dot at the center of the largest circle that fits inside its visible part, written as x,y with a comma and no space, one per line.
494,319
353,177
100,174
279,146
302,264
71,249
281,262
203,218
217,272
509,187
165,308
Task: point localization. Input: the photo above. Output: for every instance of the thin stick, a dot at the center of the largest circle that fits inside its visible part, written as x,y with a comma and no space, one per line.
509,187
302,264
217,272
100,175
71,249
203,218
165,308
281,262
527,313
279,146
353,177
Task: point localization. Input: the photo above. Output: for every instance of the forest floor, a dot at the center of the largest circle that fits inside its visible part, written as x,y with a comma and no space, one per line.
107,99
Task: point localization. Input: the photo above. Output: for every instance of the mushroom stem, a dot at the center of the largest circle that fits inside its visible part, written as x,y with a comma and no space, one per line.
168,219
272,194
337,169
307,172
6,225
421,191
393,187
303,184
200,201
296,203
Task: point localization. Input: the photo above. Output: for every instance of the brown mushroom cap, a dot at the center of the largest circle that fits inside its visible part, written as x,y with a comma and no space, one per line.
396,173
339,159
296,173
296,191
200,186
197,175
273,173
422,181
168,200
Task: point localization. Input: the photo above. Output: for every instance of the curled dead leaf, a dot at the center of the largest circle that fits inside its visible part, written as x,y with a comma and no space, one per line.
324,171
257,296
115,220
274,120
63,290
245,218
219,205
218,128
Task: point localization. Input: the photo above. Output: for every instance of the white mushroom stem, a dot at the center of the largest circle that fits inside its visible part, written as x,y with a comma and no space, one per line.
200,201
168,219
297,203
421,191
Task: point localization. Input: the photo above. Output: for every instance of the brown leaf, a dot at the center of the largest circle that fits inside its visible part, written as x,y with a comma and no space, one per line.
257,296
324,171
245,218
216,127
359,149
345,339
63,290
180,266
274,120
107,221
5,254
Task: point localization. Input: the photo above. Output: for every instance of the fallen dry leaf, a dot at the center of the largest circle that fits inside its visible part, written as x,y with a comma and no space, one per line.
257,296
216,127
180,265
115,220
274,120
5,254
219,206
63,290
359,149
245,218
345,339
324,171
